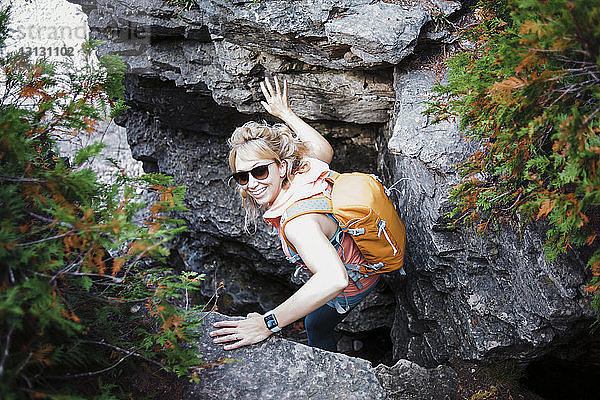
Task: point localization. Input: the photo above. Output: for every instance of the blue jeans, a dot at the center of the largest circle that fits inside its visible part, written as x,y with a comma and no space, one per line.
320,323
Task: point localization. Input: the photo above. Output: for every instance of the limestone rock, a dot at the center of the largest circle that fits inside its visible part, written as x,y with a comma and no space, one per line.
226,48
117,148
333,34
407,380
281,369
378,32
466,295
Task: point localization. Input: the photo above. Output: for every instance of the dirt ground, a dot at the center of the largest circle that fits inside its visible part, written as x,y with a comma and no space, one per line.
498,382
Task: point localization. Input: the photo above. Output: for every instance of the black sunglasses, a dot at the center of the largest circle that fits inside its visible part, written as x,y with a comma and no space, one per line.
261,172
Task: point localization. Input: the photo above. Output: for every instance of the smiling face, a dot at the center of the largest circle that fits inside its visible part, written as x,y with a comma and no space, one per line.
263,191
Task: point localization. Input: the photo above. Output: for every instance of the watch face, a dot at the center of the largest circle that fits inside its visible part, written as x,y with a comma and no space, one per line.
271,321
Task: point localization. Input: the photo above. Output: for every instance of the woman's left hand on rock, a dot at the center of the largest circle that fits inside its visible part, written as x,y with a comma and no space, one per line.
243,332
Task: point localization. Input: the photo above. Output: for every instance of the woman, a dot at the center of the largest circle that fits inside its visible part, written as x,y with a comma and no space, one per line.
273,169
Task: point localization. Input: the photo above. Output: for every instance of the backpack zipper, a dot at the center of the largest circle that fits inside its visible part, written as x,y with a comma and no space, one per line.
381,226
357,221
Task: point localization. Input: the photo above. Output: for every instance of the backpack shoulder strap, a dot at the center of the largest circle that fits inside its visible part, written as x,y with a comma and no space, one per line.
332,176
318,204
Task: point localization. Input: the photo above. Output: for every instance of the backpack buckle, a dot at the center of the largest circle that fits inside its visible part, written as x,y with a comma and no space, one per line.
356,231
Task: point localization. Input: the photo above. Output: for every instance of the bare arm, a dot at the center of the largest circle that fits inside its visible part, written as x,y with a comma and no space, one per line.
329,274
277,104
306,234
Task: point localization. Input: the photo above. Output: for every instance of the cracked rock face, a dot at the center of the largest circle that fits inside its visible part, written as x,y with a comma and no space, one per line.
407,380
467,295
281,369
334,53
334,34
194,76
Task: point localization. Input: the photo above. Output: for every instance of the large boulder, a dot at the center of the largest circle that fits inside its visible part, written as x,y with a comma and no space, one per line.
466,295
281,369
334,34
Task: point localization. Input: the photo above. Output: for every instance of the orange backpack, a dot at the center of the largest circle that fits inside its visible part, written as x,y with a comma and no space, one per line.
362,208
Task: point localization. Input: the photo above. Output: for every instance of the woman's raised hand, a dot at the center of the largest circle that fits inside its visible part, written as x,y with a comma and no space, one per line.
276,103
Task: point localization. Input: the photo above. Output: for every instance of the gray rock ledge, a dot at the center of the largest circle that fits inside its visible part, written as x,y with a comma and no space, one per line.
282,369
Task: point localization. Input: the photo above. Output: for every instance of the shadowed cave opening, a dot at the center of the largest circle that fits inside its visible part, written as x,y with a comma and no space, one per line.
375,346
570,372
554,378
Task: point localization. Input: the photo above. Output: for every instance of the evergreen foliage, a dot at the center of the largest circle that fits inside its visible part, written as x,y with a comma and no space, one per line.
529,92
84,294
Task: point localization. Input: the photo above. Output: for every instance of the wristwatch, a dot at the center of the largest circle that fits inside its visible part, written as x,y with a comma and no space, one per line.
271,322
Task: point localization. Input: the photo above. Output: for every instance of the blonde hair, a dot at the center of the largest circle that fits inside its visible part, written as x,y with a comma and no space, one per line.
263,141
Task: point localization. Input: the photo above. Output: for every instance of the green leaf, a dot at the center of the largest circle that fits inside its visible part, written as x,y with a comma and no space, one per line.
87,152
86,283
